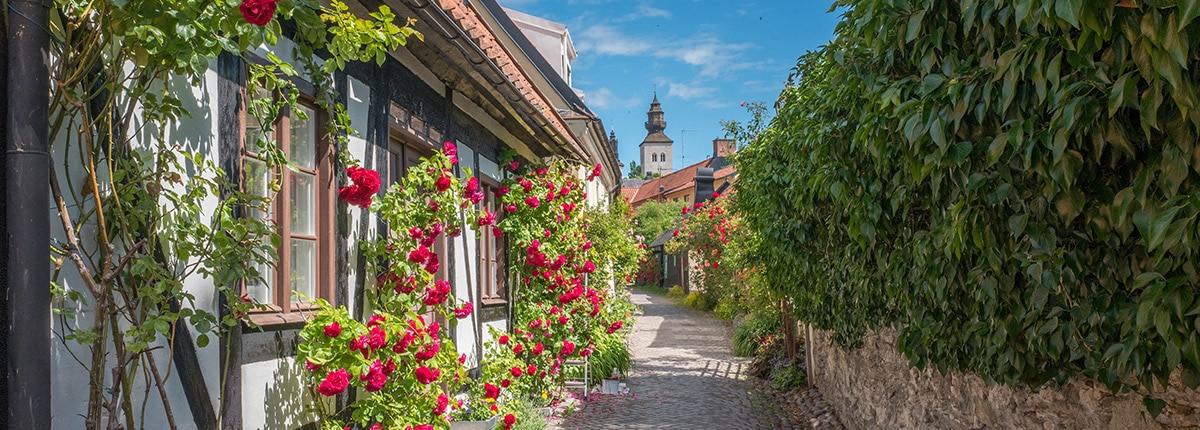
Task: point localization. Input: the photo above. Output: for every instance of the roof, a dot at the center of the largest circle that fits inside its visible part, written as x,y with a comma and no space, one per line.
628,193
663,238
672,182
728,170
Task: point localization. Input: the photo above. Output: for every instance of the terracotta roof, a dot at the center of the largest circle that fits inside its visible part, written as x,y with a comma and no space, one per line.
628,193
728,170
680,179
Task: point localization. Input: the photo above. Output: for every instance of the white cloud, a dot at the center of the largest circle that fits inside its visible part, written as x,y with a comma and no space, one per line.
608,40
604,98
516,3
653,12
688,91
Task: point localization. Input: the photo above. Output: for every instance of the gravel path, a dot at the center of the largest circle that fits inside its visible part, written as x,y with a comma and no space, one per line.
685,377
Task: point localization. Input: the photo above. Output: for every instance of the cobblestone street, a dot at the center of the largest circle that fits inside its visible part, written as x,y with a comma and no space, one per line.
685,377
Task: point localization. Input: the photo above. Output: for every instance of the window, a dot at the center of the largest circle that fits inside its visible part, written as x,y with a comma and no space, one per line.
685,198
662,156
491,272
302,211
654,157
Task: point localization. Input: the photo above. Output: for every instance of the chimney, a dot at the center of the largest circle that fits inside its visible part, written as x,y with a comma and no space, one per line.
724,147
704,184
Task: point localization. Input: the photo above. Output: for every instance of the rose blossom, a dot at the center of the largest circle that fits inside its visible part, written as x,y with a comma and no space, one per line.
258,12
450,151
334,383
333,329
425,375
464,311
366,182
490,392
443,182
442,403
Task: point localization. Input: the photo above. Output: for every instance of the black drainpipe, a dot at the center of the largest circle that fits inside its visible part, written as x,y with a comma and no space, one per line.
27,197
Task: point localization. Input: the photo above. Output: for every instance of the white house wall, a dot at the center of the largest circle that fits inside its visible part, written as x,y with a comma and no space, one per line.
69,386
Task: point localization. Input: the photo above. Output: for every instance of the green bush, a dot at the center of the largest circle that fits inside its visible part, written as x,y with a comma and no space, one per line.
752,333
1013,185
726,310
611,356
699,301
675,292
787,377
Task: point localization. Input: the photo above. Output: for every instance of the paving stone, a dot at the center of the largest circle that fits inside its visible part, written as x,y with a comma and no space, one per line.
685,377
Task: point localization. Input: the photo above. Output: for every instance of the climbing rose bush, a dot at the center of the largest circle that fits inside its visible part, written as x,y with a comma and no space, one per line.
405,364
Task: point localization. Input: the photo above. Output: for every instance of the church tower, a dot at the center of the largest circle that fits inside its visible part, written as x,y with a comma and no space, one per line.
656,147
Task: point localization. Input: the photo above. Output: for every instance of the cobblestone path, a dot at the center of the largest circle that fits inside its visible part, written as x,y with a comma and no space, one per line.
684,377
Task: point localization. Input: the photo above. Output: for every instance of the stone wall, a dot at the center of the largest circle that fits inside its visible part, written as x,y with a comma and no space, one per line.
874,388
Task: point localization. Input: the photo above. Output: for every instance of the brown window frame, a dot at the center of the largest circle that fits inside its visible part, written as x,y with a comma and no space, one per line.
492,275
281,309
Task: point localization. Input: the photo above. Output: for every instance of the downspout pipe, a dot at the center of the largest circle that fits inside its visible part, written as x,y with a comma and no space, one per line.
27,201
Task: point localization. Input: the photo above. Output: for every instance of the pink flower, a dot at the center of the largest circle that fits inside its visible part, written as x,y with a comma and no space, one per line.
537,350
568,347
423,427
464,311
716,194
588,267
614,327
496,232
428,351
509,419
366,184
526,185
333,329
562,320
376,320
334,383
415,233
505,383
404,342
375,378
472,185
258,12
310,366
504,340
450,151
517,349
510,208
443,182
419,255
487,219
531,370
442,403
595,172
425,375
502,191
588,245
515,371
514,166
438,293
377,426
376,338
532,201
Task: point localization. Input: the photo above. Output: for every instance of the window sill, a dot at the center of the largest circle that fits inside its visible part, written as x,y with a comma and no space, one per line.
273,320
488,302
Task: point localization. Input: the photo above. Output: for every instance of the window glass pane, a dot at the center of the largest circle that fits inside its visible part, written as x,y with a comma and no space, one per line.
303,144
258,180
260,291
304,268
303,203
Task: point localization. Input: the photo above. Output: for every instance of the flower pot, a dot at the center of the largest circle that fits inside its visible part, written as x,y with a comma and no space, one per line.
490,424
611,386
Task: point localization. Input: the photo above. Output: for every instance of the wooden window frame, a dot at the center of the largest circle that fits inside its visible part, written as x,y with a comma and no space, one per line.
325,283
492,276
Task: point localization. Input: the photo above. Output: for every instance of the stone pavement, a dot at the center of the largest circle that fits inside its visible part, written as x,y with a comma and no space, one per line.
685,377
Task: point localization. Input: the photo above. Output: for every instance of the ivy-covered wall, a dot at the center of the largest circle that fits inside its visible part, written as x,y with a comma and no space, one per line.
1013,185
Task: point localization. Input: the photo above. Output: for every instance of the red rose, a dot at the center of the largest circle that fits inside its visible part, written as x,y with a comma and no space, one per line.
463,311
505,383
258,12
509,419
442,403
487,219
333,329
375,377
443,182
366,182
568,347
334,383
537,350
504,340
614,327
425,375
490,391
513,166
310,366
496,232
532,201
450,151
515,371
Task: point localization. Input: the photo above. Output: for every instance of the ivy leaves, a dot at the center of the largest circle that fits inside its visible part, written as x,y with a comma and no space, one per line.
1015,186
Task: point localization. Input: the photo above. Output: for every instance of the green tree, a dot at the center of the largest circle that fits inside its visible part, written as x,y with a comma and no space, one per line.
1012,185
653,218
636,171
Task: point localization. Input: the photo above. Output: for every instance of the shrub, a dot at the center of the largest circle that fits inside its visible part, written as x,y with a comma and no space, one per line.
787,377
700,301
675,292
751,334
726,310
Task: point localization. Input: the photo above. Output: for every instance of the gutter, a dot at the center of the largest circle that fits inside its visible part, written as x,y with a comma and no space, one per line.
27,216
471,51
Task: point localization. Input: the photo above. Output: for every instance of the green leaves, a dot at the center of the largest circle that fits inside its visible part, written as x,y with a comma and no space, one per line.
1027,180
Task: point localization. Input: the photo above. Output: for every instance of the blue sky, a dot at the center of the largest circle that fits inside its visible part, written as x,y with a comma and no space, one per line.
705,57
